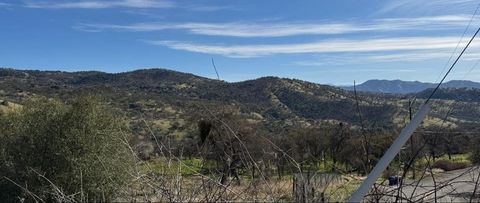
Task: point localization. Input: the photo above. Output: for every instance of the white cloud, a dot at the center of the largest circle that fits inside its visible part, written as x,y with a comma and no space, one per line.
424,55
101,4
331,46
239,29
428,6
410,56
2,4
398,56
231,29
207,8
425,22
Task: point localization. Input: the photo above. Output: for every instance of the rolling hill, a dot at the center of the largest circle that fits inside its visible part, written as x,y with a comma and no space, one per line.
402,87
171,102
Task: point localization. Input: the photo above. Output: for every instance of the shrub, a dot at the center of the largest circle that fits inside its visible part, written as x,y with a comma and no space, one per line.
79,148
449,165
475,155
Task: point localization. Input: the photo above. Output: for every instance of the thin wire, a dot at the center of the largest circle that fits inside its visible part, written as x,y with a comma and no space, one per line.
361,191
456,47
453,65
455,102
458,44
471,69
452,106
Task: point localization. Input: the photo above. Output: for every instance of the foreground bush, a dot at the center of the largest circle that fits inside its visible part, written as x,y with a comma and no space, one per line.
447,165
475,156
51,149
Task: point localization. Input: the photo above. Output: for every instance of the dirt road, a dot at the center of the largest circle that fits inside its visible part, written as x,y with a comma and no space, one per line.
452,186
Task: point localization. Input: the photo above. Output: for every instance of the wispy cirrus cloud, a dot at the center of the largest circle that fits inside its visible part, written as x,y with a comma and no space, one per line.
242,29
207,8
230,29
330,46
430,6
411,56
96,4
397,56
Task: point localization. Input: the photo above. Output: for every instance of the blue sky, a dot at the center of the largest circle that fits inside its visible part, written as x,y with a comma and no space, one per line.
330,42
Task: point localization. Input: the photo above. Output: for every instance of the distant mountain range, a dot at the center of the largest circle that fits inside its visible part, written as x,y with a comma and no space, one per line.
403,87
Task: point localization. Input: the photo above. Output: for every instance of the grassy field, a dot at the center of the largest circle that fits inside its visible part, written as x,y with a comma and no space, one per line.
194,169
163,165
456,158
189,170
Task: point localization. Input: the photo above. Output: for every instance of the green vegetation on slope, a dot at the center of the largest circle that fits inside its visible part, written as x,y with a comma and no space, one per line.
78,148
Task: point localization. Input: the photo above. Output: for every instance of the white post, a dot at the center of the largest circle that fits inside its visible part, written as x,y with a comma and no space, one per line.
390,154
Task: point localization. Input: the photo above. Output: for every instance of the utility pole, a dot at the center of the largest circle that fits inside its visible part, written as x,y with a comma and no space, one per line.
390,154
405,134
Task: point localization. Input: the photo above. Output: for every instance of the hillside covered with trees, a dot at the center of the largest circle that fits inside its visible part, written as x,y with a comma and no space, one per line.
156,133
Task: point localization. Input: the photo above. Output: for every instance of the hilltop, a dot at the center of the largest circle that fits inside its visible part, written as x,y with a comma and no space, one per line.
402,87
271,97
172,102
